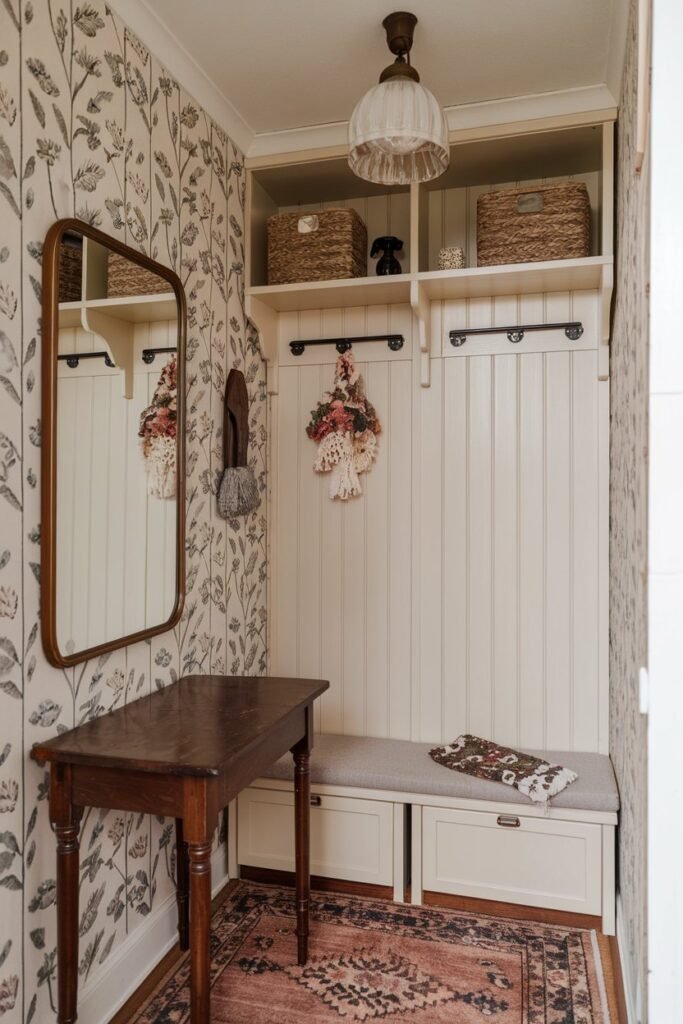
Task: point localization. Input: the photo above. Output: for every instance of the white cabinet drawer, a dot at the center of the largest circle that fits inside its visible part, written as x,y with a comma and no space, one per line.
541,862
350,838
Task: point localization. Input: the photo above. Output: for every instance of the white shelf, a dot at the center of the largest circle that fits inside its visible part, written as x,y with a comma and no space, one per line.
70,314
475,282
593,273
135,309
515,279
356,291
139,309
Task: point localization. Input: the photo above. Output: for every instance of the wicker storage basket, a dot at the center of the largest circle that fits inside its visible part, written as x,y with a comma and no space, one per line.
70,268
539,222
316,247
127,278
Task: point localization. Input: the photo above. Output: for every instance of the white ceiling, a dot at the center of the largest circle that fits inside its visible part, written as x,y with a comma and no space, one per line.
292,65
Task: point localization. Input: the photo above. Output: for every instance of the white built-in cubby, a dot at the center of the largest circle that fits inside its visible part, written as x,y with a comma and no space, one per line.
467,589
116,320
427,217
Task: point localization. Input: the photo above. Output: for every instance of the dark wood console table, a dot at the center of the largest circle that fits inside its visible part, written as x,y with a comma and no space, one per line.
184,752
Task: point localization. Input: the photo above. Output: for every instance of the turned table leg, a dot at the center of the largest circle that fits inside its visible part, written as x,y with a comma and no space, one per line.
66,820
302,809
182,886
199,855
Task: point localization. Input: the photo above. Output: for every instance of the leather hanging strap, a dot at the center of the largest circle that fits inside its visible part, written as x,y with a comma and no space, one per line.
235,421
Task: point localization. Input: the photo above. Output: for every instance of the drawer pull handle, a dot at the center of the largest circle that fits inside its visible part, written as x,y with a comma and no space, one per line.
316,801
508,820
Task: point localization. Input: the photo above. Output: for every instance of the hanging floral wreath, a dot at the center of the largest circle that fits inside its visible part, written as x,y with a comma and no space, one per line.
345,426
158,428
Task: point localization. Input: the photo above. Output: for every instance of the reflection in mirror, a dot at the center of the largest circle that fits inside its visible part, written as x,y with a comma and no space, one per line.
116,530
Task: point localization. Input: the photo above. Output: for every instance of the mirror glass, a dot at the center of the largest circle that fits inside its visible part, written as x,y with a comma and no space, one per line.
117,543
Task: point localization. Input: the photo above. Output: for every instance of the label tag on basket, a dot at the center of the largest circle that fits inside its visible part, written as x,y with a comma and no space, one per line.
532,202
308,223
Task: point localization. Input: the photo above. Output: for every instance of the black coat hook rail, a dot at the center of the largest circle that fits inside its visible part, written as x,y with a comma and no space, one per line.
394,341
573,331
148,354
72,359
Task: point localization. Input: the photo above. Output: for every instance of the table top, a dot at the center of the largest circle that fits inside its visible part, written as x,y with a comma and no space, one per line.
199,725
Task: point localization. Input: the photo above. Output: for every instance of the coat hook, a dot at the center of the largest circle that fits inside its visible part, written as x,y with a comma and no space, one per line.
394,341
572,330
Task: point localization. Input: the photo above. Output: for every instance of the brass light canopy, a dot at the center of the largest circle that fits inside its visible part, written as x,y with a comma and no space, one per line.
400,27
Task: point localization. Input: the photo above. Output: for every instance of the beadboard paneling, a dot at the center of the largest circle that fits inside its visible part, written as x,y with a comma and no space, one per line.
463,591
116,546
341,571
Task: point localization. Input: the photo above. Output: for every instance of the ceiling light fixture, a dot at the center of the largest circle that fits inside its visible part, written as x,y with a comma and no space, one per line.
397,132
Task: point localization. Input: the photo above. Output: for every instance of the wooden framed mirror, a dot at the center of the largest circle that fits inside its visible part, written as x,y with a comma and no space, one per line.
113,448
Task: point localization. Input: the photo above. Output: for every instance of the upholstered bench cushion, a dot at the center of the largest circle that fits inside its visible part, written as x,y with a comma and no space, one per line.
406,767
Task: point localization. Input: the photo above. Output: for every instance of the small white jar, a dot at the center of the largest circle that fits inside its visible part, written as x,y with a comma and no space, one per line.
451,258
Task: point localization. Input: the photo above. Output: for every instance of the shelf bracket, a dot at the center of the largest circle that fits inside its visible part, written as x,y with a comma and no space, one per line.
118,337
421,307
605,320
265,322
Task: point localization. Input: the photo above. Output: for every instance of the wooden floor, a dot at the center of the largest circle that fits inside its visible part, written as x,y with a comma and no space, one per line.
609,951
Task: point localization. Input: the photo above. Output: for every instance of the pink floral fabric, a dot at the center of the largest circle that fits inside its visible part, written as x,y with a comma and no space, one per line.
158,429
345,426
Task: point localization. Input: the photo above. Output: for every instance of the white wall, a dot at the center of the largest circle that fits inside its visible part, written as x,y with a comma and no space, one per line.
628,535
466,589
665,638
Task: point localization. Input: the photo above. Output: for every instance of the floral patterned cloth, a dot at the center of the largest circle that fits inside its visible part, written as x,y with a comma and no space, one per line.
345,426
158,428
531,775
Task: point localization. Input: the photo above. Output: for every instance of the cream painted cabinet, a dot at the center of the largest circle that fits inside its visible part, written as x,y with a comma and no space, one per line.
350,838
538,862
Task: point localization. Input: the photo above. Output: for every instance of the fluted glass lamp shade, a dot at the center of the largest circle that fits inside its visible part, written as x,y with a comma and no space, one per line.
398,134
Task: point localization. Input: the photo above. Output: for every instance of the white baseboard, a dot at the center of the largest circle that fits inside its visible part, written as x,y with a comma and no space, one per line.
128,967
630,983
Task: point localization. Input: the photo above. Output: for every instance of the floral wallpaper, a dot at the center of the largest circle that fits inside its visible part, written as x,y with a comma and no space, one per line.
628,526
91,126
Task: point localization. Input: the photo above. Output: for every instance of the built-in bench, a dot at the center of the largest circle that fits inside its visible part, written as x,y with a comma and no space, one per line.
466,836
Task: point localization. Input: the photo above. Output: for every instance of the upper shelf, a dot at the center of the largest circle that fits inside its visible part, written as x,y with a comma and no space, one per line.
433,216
354,291
516,279
511,279
137,309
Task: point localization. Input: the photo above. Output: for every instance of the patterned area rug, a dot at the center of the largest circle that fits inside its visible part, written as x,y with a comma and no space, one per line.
376,961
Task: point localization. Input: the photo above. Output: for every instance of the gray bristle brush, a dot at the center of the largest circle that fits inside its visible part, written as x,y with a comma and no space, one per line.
238,493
